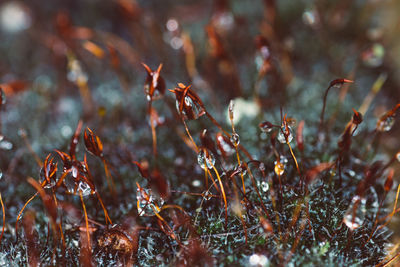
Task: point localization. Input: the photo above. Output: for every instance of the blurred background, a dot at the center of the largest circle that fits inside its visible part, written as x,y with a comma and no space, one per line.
62,61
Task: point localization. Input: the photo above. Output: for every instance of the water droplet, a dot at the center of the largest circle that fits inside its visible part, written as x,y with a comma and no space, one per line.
1,174
224,21
196,183
85,189
258,260
235,139
14,17
50,185
310,18
206,195
283,159
43,177
355,214
240,169
264,186
176,42
6,145
147,202
398,156
292,122
205,159
285,132
74,172
279,168
230,109
384,125
188,101
351,173
266,126
172,25
191,110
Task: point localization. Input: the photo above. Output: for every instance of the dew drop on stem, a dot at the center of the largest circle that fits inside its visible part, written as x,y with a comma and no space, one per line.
206,195
147,202
240,169
231,107
264,186
235,139
191,110
266,126
85,189
205,159
279,168
385,124
285,132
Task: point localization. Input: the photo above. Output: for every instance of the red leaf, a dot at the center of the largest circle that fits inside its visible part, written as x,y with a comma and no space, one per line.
299,136
389,180
93,143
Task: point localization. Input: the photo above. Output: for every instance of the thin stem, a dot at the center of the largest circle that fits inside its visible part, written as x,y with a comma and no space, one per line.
110,180
28,145
238,156
86,221
206,177
235,190
257,191
153,130
59,224
376,220
397,197
20,213
107,218
4,218
390,216
223,194
214,121
321,120
241,173
167,225
293,156
190,136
